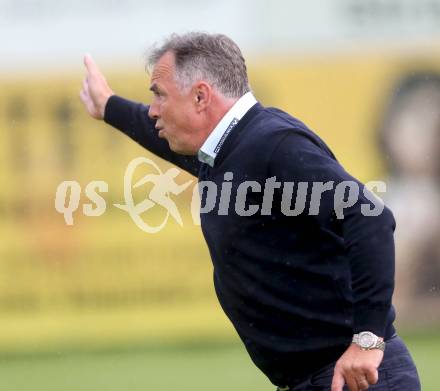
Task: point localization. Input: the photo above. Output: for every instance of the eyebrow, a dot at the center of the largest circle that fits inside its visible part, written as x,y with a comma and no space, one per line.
154,88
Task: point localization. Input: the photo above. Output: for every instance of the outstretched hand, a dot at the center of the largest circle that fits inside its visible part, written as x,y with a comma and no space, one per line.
357,368
95,90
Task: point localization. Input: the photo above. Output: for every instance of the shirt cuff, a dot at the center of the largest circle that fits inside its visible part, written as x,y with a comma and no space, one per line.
118,111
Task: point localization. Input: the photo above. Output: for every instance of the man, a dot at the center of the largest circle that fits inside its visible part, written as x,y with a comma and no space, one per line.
309,293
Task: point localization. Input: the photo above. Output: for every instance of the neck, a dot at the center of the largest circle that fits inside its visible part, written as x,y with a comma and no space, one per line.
220,106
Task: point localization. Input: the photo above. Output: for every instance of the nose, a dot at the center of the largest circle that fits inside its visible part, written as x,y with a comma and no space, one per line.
153,111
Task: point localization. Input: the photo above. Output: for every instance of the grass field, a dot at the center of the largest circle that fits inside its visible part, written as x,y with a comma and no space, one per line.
215,368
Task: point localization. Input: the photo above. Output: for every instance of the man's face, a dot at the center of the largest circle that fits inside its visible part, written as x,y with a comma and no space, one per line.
174,110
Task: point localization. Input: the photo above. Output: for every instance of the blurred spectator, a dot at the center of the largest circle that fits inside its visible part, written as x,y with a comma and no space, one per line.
410,137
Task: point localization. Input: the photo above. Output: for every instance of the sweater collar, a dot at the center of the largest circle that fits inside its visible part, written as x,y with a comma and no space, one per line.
215,140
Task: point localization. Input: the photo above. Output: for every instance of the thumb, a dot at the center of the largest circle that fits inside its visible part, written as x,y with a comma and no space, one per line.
90,64
338,381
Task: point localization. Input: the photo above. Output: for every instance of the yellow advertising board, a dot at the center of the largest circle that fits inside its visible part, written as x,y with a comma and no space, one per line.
102,280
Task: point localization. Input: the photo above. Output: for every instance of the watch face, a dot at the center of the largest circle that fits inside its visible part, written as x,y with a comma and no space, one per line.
366,339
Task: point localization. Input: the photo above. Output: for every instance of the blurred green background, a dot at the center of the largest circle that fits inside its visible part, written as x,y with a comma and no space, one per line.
220,366
102,305
210,368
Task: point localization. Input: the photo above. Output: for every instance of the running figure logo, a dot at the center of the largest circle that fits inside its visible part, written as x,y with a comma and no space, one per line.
163,185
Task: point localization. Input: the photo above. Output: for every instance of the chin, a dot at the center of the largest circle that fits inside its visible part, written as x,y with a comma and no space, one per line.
182,150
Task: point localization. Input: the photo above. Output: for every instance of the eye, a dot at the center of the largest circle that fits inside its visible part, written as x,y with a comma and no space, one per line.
159,94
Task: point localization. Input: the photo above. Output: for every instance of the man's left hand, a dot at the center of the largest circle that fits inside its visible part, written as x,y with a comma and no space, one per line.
357,368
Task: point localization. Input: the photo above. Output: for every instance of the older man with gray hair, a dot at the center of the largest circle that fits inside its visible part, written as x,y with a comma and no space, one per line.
310,293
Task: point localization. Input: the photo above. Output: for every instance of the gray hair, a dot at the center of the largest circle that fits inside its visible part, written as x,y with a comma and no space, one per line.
214,58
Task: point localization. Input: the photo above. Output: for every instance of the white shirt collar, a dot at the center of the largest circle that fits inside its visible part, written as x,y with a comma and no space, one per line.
215,140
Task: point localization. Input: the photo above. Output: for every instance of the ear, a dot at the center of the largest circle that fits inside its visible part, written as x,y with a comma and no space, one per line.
202,93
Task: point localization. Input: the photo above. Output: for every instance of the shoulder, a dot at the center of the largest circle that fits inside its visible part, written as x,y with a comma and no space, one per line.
280,132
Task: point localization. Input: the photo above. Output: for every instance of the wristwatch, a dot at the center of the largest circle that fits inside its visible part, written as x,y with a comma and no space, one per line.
368,341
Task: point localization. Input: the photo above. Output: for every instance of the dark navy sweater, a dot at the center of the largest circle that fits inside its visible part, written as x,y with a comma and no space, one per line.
296,288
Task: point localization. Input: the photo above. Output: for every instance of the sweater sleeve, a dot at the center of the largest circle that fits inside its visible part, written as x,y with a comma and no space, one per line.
132,119
368,239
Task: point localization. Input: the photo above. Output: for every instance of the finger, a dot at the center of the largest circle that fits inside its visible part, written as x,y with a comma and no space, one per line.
85,85
90,64
85,90
351,383
84,97
363,384
372,376
338,381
